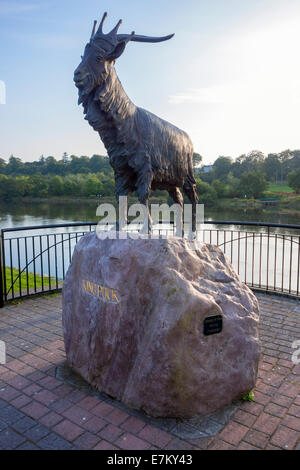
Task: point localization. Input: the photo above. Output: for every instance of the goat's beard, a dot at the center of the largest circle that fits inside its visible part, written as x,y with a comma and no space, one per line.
90,85
84,92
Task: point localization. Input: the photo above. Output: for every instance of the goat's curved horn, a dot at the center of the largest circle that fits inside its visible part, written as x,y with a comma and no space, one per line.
138,38
115,29
100,30
94,29
128,38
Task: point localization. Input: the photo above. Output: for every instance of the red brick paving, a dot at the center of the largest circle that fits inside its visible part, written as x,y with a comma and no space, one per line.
94,424
88,403
35,410
77,415
233,433
21,401
116,417
86,441
266,423
104,445
130,442
39,411
133,425
51,419
245,418
218,444
68,430
155,436
110,432
246,446
258,439
285,438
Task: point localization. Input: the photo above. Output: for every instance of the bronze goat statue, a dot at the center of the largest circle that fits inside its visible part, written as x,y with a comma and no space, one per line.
145,152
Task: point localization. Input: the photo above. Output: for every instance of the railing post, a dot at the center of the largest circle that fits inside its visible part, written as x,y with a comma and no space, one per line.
1,274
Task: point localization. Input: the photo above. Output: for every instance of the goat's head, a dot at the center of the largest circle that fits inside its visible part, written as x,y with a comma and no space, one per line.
100,53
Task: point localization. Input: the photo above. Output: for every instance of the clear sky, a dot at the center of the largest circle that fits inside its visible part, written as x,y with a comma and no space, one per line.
230,77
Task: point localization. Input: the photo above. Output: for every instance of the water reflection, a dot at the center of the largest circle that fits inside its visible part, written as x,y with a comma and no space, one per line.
16,214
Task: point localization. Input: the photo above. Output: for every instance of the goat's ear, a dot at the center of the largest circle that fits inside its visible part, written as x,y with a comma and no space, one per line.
117,52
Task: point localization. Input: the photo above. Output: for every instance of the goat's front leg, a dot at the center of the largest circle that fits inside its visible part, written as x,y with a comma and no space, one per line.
143,186
123,185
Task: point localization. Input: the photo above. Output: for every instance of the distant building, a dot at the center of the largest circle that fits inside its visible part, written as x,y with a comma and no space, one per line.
203,169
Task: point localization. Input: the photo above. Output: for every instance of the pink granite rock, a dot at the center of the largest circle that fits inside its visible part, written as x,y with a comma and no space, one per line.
133,316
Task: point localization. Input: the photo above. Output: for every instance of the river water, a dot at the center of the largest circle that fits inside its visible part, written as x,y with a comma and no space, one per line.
16,214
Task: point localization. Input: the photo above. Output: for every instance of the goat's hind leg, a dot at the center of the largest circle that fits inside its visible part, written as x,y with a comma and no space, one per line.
190,190
176,195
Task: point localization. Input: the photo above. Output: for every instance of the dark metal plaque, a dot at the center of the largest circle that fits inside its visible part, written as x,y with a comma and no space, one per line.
212,325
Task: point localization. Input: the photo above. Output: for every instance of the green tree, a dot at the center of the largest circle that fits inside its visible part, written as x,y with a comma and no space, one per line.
71,186
232,185
79,164
14,187
51,166
197,159
272,167
65,158
253,161
220,188
222,167
206,193
108,184
3,183
286,159
39,186
92,186
14,166
295,161
294,180
56,186
2,166
98,163
252,184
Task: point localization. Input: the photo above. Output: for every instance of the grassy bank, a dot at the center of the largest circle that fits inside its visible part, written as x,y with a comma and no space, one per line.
290,204
278,188
15,273
238,204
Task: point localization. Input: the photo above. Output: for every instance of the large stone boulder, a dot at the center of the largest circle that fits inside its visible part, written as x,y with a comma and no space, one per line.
138,324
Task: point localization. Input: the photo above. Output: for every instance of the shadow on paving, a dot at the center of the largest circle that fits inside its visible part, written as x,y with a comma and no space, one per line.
206,426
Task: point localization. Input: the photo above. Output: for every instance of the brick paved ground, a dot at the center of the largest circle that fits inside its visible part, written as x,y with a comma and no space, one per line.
37,410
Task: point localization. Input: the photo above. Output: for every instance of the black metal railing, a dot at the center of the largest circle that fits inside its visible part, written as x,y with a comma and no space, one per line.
266,258
35,259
